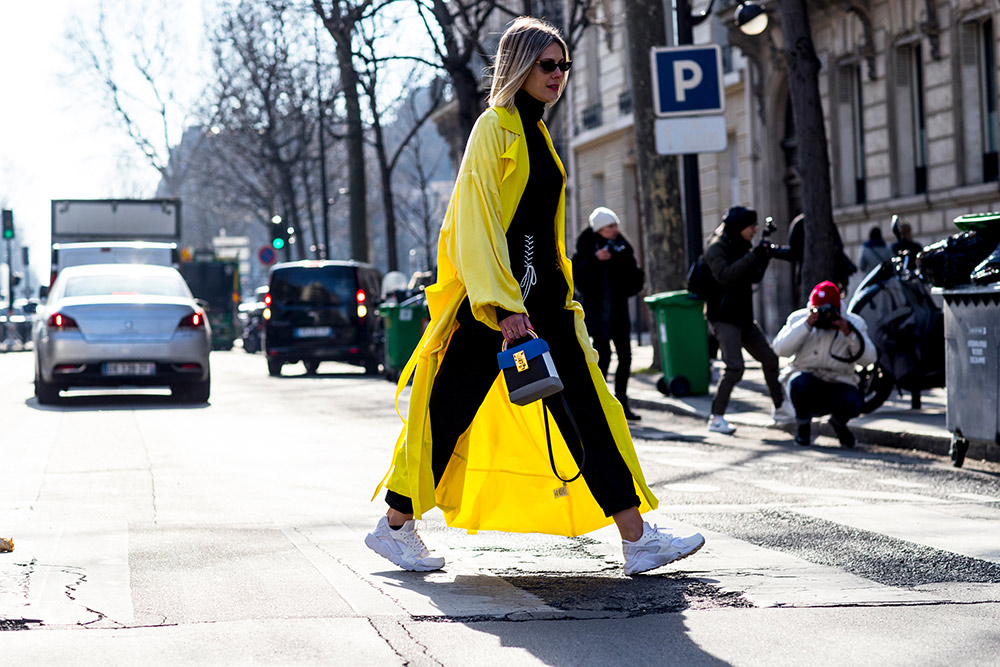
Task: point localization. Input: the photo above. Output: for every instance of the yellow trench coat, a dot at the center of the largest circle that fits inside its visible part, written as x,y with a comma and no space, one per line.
499,477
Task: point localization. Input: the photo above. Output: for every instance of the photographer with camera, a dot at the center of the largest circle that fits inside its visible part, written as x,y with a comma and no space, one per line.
826,343
606,275
736,264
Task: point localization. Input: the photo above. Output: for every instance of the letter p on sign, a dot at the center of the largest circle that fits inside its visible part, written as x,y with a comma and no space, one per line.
687,76
687,80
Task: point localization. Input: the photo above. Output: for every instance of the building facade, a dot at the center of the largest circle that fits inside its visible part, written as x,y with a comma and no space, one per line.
909,90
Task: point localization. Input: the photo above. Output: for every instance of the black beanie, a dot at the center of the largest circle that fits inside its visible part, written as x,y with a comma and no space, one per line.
738,218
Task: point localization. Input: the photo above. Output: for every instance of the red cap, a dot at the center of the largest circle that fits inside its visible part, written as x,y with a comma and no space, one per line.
825,293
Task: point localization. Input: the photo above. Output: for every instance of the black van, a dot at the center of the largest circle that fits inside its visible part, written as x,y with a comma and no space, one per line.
323,311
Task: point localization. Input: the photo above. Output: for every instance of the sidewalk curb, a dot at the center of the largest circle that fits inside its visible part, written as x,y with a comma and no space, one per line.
934,444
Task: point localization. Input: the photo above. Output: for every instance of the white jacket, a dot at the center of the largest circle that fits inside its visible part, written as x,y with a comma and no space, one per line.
815,350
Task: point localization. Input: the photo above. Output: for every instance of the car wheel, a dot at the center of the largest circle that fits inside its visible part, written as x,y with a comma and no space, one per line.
46,393
273,367
372,366
197,392
311,367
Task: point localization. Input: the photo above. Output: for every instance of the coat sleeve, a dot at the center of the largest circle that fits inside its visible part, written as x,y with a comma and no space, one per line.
789,340
744,268
477,244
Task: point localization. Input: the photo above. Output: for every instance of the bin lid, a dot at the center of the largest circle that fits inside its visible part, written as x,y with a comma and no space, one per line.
679,298
967,290
974,222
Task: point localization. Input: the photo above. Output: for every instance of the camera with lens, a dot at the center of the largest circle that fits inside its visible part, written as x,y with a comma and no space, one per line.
769,228
829,315
773,249
614,246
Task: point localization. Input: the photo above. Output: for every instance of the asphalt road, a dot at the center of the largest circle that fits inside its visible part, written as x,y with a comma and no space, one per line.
147,530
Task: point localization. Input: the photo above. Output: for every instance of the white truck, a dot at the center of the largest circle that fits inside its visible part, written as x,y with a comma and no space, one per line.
114,231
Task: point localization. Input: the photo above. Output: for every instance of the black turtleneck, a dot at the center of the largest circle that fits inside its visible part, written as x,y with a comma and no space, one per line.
531,237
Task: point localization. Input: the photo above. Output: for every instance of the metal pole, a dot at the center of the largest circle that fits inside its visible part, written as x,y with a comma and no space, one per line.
692,186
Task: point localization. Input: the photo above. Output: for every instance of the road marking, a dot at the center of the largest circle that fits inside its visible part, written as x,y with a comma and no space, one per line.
789,489
902,484
940,527
692,487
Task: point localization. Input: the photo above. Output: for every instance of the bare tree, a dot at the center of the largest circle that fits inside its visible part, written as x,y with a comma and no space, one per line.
378,105
144,94
266,95
341,19
659,185
421,205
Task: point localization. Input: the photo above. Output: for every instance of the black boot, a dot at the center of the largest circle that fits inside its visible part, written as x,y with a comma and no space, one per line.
803,434
843,433
629,415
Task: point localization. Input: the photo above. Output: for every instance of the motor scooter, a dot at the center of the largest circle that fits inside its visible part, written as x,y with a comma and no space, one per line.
907,327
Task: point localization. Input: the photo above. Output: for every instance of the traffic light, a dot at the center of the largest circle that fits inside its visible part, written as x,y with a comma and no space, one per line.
278,235
8,224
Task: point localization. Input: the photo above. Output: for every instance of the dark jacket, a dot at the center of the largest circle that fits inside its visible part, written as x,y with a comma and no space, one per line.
605,286
735,268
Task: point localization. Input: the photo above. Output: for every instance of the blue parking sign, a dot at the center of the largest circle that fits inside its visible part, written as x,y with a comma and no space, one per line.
687,80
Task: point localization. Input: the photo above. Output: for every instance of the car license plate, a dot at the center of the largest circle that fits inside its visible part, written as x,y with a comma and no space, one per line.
129,368
312,332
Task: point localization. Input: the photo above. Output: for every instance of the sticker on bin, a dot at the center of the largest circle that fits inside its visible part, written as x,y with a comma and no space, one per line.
405,315
312,332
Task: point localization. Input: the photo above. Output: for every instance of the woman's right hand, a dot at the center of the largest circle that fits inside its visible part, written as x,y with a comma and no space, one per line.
514,327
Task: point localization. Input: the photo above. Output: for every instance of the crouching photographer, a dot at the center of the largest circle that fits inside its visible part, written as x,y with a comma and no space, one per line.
826,345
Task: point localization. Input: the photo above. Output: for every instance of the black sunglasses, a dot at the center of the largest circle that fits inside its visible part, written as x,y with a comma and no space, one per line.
548,66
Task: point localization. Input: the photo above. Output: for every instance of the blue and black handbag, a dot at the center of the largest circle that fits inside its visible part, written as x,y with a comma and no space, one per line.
528,371
530,375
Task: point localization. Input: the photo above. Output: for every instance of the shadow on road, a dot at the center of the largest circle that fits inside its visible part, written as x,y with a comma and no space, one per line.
115,401
604,609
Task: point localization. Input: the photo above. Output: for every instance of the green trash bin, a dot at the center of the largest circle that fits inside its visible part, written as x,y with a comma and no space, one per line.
404,325
683,335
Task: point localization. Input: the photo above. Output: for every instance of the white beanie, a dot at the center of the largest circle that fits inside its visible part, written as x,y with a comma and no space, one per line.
601,217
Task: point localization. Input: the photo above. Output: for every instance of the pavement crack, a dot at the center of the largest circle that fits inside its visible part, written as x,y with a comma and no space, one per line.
403,643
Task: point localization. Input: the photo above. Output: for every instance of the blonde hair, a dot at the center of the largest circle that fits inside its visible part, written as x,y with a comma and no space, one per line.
520,45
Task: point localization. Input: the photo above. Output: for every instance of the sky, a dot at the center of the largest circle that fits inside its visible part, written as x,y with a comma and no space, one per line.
57,141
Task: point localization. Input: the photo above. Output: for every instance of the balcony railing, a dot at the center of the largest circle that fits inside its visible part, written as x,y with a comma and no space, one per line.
591,116
625,103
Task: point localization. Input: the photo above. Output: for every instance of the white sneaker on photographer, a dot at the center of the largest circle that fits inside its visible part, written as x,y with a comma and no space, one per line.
403,547
656,548
785,414
718,424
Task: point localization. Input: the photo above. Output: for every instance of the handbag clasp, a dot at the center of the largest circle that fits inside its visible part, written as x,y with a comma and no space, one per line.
520,362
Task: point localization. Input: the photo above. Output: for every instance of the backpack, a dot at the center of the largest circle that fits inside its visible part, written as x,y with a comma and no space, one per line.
700,281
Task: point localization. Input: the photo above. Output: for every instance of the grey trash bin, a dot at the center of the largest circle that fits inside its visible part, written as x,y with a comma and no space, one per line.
972,344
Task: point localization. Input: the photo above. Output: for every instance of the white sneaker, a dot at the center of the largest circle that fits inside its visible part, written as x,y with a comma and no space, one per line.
656,548
785,414
718,424
403,547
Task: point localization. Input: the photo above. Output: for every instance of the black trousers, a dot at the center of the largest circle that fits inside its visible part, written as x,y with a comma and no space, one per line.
469,369
623,348
812,397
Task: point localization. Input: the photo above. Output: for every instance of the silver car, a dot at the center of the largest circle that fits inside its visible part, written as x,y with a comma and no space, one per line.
110,325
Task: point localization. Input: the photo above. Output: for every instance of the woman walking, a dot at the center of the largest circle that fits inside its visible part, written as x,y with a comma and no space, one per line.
502,272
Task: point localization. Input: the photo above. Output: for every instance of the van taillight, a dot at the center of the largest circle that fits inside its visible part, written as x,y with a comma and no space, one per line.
60,322
195,320
52,278
267,299
361,296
